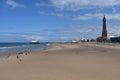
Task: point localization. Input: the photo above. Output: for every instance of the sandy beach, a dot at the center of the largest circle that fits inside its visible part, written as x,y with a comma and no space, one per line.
82,61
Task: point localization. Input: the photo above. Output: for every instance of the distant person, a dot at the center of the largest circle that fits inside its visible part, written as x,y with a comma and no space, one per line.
18,57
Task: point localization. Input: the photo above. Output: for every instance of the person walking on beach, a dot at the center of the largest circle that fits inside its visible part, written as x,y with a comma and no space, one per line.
18,57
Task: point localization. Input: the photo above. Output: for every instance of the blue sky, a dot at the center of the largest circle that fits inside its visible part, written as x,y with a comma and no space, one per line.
57,20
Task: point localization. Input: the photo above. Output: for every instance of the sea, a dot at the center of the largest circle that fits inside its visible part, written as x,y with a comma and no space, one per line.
19,47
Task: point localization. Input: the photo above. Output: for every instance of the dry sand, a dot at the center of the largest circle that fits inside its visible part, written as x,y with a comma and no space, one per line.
83,61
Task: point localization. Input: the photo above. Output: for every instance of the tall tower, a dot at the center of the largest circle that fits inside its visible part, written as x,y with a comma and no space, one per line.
104,30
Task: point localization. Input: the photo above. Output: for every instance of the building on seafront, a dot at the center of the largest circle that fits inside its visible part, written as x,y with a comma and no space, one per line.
105,37
115,39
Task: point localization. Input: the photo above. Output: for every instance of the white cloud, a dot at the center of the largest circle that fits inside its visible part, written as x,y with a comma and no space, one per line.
52,14
88,16
79,4
14,4
57,14
43,4
113,16
80,32
33,37
114,30
24,36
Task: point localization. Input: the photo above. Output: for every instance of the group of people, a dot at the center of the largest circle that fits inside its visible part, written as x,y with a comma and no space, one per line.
26,52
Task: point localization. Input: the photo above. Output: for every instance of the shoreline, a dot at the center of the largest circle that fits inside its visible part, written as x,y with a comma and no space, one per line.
64,46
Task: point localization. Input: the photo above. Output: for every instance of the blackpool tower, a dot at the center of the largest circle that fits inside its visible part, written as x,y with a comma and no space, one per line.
104,30
103,38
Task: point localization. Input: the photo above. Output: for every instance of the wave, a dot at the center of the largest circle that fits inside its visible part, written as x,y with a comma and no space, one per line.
13,47
24,47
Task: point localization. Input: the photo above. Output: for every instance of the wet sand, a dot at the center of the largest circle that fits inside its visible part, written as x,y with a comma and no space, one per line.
83,61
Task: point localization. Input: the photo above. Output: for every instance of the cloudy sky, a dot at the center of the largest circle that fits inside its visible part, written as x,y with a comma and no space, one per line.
57,20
